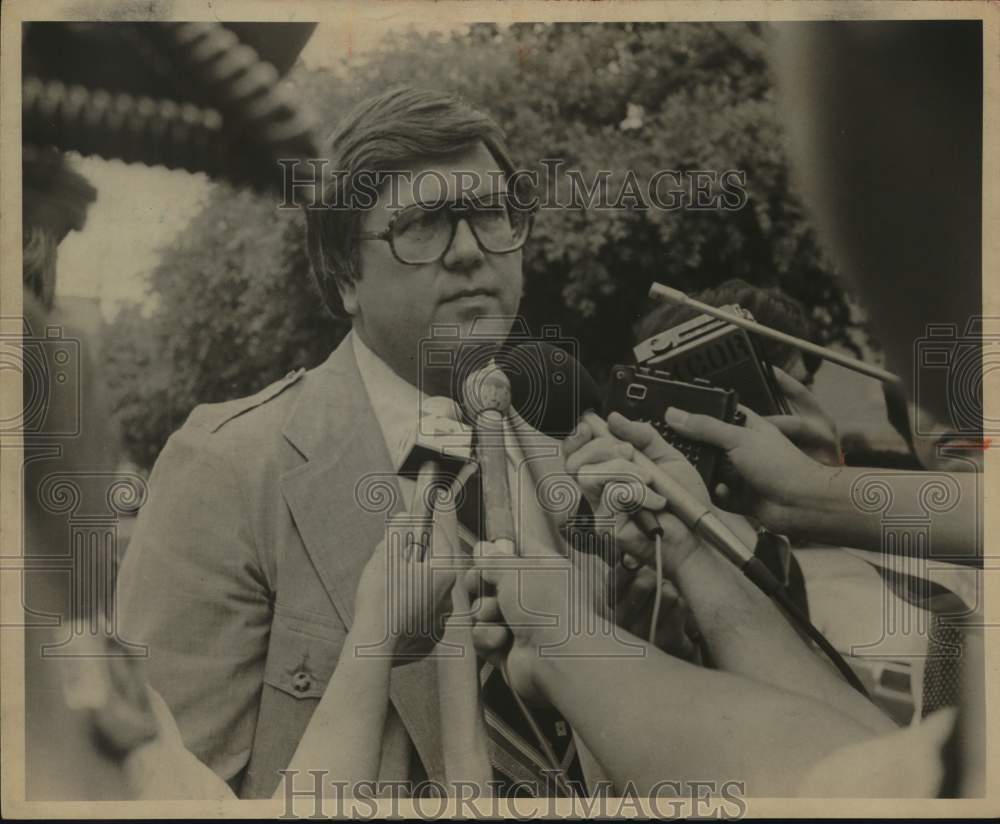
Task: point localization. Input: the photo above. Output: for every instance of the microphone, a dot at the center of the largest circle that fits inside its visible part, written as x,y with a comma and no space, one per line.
487,399
699,517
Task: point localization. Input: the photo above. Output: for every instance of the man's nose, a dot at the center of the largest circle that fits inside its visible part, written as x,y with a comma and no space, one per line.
464,254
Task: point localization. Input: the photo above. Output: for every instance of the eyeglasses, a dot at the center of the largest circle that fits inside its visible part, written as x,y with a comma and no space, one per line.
422,233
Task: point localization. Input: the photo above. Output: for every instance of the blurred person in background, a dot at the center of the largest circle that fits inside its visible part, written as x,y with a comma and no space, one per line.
769,305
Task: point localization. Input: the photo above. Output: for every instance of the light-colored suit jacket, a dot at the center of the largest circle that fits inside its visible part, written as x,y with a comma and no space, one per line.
241,574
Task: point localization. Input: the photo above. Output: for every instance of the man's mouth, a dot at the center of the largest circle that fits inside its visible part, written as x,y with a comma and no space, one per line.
470,293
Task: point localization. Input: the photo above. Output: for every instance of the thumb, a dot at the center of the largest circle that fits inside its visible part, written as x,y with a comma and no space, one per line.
704,428
488,560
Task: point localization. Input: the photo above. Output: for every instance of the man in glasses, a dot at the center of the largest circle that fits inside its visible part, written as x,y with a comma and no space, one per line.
242,573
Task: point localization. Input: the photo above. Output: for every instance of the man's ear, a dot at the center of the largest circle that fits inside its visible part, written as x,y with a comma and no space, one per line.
348,295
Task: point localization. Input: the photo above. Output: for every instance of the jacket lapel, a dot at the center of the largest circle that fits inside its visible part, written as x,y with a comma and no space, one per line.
340,499
347,465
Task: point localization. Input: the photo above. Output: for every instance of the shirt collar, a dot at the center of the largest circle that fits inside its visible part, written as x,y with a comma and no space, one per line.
399,405
395,401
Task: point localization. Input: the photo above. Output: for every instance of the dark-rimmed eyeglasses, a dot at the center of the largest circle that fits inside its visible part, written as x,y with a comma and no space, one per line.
422,233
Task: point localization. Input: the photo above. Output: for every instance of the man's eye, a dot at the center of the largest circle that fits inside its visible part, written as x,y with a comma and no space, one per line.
418,220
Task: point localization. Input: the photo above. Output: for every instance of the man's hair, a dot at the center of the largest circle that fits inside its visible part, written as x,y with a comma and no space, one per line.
387,132
769,305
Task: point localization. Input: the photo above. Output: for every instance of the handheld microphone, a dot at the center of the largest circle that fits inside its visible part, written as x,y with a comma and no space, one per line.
699,517
487,399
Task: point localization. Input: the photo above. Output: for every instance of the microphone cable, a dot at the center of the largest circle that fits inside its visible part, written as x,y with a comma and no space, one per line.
654,619
807,626
758,573
761,577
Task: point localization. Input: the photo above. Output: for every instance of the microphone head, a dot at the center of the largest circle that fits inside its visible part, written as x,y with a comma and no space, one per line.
486,390
550,389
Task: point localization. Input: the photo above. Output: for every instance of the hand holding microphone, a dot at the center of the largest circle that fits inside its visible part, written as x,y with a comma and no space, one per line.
602,458
674,491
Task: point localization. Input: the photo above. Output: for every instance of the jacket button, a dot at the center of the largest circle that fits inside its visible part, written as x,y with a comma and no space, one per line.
301,682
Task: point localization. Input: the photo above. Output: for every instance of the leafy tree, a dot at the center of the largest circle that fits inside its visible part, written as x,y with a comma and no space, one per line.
235,312
236,307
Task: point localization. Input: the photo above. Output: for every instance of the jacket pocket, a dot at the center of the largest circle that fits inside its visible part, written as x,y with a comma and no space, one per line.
302,654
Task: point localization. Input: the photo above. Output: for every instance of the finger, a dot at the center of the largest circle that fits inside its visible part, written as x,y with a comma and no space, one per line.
802,400
486,549
595,477
486,610
598,450
753,421
639,593
628,496
596,423
444,542
488,572
442,580
475,587
704,428
580,436
793,389
488,638
640,434
670,597
643,437
494,564
621,580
